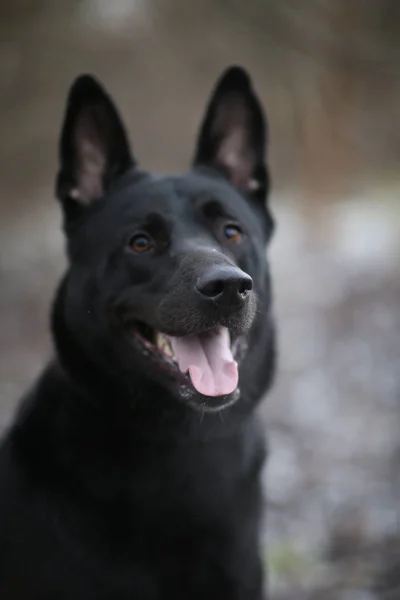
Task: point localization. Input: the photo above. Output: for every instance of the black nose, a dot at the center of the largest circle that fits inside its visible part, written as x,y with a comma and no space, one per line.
226,284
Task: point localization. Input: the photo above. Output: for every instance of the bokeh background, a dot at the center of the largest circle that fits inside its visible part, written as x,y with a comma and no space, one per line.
328,74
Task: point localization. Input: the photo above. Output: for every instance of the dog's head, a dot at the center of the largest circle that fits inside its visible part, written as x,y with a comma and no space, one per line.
167,273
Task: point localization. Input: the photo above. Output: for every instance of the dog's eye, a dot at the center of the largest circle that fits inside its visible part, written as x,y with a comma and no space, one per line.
141,243
233,233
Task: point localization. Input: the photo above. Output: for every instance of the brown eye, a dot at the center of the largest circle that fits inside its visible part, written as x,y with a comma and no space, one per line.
141,243
233,233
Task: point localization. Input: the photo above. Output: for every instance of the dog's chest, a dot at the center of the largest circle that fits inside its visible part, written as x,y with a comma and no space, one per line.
192,486
181,523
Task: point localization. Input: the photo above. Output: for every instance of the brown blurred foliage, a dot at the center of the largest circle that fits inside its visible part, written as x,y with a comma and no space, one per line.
328,71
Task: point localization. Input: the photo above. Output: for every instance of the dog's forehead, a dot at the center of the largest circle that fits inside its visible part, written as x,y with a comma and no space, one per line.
177,199
175,193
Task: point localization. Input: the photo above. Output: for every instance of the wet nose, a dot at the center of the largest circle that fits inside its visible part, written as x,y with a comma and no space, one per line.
225,284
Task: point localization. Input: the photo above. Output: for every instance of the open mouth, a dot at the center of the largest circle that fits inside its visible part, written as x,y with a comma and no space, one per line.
206,362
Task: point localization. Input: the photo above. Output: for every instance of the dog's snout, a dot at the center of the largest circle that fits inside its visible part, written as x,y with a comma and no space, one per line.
224,283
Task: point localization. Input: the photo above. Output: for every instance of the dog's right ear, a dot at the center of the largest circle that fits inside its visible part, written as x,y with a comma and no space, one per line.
94,148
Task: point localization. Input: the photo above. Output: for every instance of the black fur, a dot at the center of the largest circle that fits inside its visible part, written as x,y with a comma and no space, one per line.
117,480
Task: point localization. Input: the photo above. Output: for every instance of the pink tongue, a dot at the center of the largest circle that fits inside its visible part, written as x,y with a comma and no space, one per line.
209,360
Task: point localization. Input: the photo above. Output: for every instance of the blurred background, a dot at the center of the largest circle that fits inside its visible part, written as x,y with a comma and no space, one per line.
328,74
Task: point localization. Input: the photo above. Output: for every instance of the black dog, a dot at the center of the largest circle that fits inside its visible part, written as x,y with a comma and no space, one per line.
132,469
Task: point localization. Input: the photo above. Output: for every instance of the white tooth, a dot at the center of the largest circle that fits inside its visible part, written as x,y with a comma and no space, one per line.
167,350
164,345
159,340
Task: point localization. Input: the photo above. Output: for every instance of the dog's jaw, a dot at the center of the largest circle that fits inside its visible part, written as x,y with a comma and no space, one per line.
158,353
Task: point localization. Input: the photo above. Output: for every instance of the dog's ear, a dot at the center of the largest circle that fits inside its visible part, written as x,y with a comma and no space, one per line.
94,148
233,134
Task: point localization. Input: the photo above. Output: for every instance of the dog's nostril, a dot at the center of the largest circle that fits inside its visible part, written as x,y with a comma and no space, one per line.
225,283
212,289
245,287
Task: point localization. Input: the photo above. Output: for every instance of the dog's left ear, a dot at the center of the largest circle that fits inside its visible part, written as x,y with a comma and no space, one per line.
94,148
233,134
